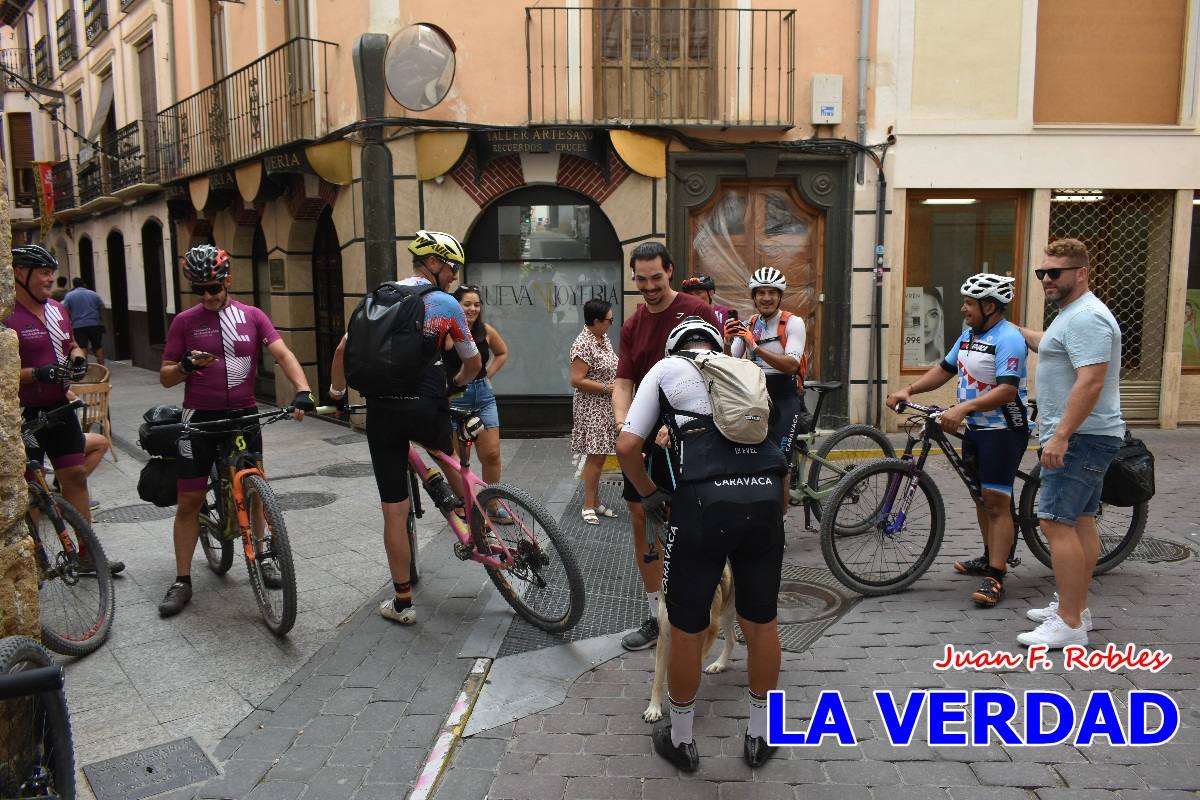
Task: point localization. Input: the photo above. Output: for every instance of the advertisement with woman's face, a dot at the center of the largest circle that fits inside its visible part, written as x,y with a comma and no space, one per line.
924,325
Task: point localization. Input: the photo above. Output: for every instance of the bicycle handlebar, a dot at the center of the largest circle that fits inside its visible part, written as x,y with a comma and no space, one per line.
30,682
49,418
230,424
928,410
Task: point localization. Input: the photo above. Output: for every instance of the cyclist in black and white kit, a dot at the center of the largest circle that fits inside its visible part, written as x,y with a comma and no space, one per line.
727,505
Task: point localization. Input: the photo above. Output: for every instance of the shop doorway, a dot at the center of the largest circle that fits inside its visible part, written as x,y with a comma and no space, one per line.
156,295
328,299
87,264
118,296
260,269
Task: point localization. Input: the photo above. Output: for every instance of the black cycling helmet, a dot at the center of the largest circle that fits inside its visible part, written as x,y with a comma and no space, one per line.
33,255
205,263
698,281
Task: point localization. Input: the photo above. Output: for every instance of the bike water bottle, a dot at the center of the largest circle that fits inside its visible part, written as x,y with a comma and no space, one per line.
439,489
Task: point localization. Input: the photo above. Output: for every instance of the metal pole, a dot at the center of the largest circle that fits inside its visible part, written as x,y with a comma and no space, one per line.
379,209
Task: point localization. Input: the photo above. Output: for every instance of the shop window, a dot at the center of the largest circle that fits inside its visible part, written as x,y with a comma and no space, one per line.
950,237
1191,313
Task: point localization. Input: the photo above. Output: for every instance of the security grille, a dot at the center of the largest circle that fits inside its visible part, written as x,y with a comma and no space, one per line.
1128,236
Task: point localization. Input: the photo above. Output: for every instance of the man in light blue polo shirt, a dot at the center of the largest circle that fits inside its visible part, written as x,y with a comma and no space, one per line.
1078,385
84,307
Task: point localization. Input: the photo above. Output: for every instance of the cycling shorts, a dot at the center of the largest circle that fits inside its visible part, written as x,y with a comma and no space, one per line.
391,426
198,451
787,408
992,456
735,519
61,442
658,464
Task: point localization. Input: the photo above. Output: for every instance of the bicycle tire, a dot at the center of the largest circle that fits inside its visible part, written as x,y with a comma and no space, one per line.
214,522
837,548
76,611
1120,527
822,477
278,606
47,712
548,584
414,574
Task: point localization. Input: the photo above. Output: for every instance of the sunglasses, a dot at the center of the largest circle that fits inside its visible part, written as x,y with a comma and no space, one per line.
1054,274
211,288
453,267
472,289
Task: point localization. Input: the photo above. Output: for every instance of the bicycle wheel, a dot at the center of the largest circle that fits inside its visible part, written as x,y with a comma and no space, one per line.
214,528
1120,527
414,574
543,584
896,546
839,454
271,573
41,761
76,608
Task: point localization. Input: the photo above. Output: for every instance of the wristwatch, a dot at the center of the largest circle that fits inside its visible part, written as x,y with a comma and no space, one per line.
335,393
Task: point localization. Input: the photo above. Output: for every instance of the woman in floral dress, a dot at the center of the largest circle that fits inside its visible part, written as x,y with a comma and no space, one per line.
593,373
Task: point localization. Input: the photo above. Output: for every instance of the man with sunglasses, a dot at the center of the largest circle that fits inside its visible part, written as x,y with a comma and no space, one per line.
213,348
1081,429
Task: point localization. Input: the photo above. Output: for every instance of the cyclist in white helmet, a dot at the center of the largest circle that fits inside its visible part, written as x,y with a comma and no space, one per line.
989,359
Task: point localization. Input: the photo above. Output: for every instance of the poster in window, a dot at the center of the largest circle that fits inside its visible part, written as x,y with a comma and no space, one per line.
1191,329
924,325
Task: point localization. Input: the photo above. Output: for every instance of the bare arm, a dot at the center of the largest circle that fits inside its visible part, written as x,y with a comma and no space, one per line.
1089,381
629,455
337,369
470,368
579,379
622,396
169,374
499,350
290,366
1032,338
934,377
787,364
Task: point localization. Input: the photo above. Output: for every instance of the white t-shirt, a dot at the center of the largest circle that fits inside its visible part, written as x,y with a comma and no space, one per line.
769,329
681,382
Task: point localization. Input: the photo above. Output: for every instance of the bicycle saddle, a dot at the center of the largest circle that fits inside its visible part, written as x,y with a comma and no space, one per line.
820,387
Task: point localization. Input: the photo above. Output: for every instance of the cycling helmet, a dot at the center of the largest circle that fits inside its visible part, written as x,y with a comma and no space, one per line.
692,329
989,286
205,263
767,278
33,255
698,281
436,243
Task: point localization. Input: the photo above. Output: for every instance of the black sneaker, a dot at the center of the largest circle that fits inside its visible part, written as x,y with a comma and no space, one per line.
976,566
989,592
178,596
270,574
756,750
643,637
684,756
87,566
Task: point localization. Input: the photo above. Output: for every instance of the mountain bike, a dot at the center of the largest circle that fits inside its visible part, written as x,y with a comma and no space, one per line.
839,454
527,557
899,516
240,504
40,763
76,597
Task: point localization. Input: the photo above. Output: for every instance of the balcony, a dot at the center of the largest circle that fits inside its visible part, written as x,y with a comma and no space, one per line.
68,51
17,62
41,62
698,65
95,19
64,186
137,159
279,99
93,180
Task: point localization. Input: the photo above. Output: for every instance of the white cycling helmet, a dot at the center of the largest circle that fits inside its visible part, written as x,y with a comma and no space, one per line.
989,286
767,278
690,330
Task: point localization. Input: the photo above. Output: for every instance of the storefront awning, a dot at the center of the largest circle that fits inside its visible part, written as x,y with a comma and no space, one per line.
438,152
329,161
642,153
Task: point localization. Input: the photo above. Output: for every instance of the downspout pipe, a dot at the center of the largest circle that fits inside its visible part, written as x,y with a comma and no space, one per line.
864,52
877,300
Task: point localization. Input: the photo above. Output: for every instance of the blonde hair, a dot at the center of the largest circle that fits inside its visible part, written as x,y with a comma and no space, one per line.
1073,250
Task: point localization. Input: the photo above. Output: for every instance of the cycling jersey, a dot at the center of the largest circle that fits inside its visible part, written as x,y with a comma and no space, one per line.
766,333
41,344
787,404
722,314
983,361
233,335
444,317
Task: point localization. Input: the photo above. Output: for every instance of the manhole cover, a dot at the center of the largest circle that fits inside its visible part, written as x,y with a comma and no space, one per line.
806,602
1155,550
810,600
149,772
298,501
143,512
349,469
346,438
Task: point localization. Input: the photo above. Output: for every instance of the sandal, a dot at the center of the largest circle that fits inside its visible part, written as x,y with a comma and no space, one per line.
589,516
604,511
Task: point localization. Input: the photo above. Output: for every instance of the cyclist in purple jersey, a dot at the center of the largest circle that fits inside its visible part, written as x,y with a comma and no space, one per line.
213,348
702,287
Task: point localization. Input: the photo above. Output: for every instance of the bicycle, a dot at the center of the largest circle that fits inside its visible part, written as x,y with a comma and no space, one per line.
528,559
240,504
76,596
894,489
839,454
32,700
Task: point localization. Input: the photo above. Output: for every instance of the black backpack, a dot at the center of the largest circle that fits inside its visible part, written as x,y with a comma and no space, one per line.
386,352
1130,477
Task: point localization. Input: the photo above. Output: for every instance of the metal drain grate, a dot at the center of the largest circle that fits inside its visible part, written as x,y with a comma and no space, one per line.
349,469
143,512
1155,550
299,501
810,600
346,438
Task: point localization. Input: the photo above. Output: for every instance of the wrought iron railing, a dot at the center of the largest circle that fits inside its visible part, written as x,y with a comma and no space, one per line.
126,4
137,159
41,61
278,99
691,63
93,179
68,50
64,185
95,19
19,62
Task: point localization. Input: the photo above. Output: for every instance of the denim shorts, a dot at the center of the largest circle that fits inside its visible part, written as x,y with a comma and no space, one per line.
480,398
1073,490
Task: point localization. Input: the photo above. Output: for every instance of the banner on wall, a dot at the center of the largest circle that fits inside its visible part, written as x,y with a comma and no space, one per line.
1191,329
924,325
46,182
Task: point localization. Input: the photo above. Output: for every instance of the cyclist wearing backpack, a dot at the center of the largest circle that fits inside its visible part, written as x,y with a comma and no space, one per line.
727,505
391,354
989,360
213,349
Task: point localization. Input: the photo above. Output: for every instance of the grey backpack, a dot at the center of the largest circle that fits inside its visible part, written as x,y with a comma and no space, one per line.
737,392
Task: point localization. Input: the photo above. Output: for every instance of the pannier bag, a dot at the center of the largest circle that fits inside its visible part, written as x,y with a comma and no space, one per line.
1130,477
159,442
156,484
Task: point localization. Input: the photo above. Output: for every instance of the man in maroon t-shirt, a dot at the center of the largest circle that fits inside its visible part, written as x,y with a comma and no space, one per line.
643,341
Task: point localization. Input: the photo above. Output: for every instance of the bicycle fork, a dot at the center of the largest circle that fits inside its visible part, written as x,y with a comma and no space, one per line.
896,525
243,515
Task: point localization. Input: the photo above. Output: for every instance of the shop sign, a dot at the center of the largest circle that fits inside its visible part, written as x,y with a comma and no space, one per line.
290,161
589,143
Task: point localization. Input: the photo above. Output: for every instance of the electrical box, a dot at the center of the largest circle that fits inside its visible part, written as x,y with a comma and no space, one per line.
826,99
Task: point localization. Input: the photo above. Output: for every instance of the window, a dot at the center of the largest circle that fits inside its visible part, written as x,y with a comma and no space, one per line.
1191,313
20,144
951,236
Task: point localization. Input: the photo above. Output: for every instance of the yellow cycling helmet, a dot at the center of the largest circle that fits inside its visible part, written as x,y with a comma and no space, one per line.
442,245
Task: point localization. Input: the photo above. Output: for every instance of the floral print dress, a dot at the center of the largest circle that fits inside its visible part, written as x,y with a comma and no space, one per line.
594,429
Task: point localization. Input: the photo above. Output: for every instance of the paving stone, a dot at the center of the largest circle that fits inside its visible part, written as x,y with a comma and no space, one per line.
335,782
294,714
894,793
797,771
1028,776
325,731
659,789
988,793
276,790
627,766
937,773
1076,794
347,701
299,764
588,788
548,743
615,744
755,791
871,773
1169,776
465,784
398,766
572,765
527,787
835,792
237,779
1099,776
379,716
268,743
474,753
359,748
415,730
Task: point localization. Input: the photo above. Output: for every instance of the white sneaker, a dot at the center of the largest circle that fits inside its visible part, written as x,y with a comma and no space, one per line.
388,611
1054,634
1043,614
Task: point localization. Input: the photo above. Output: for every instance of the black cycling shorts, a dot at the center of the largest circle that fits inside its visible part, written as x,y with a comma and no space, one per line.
62,442
787,408
658,464
90,337
391,425
992,456
734,519
198,451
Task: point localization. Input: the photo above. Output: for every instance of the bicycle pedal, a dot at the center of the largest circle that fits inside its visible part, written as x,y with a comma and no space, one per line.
462,551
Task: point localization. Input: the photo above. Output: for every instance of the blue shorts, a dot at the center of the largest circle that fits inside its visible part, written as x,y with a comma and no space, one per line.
993,455
1073,490
480,399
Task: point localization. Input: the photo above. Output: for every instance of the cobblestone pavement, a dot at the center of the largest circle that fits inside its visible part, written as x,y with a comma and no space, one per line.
352,706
